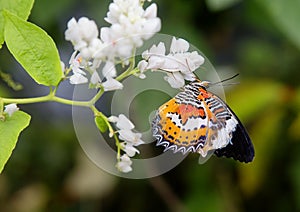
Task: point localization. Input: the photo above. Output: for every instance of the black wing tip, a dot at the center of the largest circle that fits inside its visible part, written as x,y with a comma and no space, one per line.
229,153
240,148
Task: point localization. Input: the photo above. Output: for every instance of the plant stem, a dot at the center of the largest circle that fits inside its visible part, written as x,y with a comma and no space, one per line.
128,71
48,98
26,100
97,96
118,146
71,102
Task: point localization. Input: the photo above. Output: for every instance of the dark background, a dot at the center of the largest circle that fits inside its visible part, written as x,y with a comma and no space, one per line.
259,39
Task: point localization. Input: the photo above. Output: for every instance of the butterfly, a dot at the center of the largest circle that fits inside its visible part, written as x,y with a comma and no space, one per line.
196,120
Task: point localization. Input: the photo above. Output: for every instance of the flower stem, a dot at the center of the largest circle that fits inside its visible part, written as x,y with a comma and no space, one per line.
128,71
97,96
26,100
71,102
48,98
118,146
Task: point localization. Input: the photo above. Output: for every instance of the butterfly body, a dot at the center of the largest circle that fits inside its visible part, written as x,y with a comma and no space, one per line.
196,120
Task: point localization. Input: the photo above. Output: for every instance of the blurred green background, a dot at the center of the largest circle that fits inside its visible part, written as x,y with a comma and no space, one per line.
259,39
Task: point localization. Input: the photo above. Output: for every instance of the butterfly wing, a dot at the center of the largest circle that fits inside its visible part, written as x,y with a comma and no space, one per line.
220,125
179,125
240,146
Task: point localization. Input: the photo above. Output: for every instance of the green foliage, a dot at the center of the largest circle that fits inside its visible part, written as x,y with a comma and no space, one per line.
21,8
101,124
285,15
33,49
10,129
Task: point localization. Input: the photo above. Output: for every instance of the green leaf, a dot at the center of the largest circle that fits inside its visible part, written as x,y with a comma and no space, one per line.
33,49
21,8
285,15
9,133
101,124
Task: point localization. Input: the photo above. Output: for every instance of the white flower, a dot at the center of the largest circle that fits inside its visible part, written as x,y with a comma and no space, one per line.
179,64
124,123
124,165
142,65
129,149
117,41
109,70
159,51
130,25
131,137
81,33
112,84
152,23
131,9
113,119
76,79
78,76
95,78
176,79
89,51
75,65
10,109
125,127
179,45
125,130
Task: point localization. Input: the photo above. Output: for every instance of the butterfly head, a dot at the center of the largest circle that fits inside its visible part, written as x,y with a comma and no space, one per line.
205,84
198,84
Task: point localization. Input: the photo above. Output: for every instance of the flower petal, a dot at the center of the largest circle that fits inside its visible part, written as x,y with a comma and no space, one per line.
175,79
95,78
124,123
109,70
142,65
10,109
151,11
129,149
78,79
179,45
112,84
124,165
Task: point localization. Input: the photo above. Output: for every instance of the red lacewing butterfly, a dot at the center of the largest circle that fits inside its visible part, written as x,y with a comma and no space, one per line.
196,120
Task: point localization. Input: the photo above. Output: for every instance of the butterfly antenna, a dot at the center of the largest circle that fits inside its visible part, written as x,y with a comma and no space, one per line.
224,80
230,78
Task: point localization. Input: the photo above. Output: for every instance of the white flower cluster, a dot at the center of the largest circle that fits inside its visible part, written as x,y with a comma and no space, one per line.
179,64
131,24
130,138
